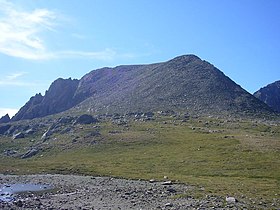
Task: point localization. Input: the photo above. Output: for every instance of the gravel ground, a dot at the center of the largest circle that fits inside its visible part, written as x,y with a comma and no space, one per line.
87,192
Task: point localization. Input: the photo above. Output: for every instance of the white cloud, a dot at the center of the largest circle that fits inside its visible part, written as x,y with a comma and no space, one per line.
11,112
20,31
21,35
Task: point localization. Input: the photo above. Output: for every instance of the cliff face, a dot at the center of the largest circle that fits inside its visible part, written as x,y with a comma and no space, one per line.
58,98
185,83
270,95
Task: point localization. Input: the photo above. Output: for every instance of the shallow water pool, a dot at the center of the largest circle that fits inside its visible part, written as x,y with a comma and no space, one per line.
8,191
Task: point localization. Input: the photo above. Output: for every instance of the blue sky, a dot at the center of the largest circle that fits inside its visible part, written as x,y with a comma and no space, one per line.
41,40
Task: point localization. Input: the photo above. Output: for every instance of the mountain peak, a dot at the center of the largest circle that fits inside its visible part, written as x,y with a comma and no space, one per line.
5,119
270,95
187,56
183,84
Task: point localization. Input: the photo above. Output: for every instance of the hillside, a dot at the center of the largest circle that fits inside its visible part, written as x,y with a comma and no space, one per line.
270,95
185,84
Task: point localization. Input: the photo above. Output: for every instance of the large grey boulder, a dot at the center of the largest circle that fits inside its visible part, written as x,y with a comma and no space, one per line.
19,135
30,153
86,119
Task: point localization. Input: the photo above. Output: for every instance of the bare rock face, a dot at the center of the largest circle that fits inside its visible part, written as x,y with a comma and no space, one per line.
185,83
270,95
58,98
4,129
5,119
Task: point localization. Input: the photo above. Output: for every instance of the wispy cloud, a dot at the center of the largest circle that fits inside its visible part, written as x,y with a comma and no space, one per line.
106,54
21,35
14,79
13,76
20,31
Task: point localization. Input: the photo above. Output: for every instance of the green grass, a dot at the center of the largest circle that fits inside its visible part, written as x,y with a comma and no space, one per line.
240,159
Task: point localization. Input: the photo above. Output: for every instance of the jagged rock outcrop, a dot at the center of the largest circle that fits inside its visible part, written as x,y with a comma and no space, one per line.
185,83
270,95
58,98
5,119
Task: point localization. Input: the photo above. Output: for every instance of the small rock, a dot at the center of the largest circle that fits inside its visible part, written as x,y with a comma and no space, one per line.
18,203
171,190
167,183
168,205
231,199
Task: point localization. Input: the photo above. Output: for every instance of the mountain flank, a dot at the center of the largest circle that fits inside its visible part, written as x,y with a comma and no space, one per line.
184,84
270,95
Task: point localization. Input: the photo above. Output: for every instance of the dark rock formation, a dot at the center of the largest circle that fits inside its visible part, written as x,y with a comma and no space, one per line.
270,95
58,98
30,153
19,135
5,119
85,119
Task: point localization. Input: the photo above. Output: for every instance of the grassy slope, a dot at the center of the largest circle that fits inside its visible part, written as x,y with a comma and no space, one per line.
233,158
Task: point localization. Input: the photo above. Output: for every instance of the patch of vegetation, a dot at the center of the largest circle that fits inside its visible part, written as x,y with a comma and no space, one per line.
218,157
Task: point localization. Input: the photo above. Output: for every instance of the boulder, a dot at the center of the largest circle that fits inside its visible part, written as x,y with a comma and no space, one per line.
30,153
46,134
85,119
19,135
30,131
10,152
50,131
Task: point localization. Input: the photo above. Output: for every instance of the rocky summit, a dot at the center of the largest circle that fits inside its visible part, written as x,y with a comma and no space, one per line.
270,95
183,84
5,119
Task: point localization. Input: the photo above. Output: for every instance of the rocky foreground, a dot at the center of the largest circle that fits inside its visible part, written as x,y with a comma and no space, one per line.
87,192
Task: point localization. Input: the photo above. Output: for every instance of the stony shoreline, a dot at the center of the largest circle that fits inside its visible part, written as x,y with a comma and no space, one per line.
87,192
